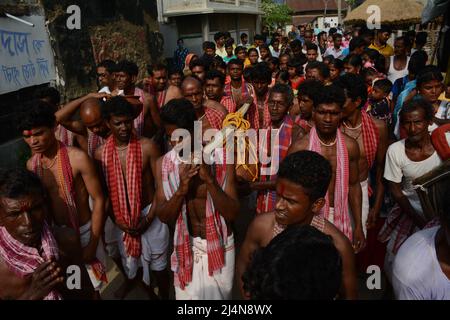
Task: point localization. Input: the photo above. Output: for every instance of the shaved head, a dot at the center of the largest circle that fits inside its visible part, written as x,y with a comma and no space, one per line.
193,91
91,116
189,81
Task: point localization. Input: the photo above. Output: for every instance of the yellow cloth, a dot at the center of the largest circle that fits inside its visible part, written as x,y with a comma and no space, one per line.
386,50
443,98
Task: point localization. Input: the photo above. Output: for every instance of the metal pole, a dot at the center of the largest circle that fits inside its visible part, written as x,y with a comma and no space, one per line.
339,5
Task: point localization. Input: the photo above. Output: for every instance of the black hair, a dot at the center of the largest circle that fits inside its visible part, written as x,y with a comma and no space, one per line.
353,60
265,46
50,93
217,62
179,112
229,42
236,62
330,94
332,31
251,50
311,46
356,43
198,63
218,35
129,67
353,86
258,37
261,72
18,182
109,65
377,58
274,61
429,73
36,113
283,89
300,263
406,41
417,104
295,44
243,35
212,74
173,71
283,75
209,45
421,38
309,170
117,106
337,63
310,88
336,36
155,67
329,58
295,63
385,28
384,85
239,49
417,62
320,66
226,34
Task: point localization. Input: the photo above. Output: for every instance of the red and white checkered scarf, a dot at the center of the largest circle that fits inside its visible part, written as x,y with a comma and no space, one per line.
370,138
229,104
139,121
267,199
23,260
65,184
127,213
94,141
341,215
64,180
215,118
216,228
64,135
253,114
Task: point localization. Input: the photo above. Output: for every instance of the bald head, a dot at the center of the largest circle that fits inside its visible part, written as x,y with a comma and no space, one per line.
190,81
91,116
192,90
90,108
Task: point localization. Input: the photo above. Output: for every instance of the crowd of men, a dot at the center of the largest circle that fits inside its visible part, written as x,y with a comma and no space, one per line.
354,123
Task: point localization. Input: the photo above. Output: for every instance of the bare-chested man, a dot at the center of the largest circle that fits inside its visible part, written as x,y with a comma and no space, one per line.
201,202
210,113
343,154
160,90
371,135
126,76
32,260
258,114
301,185
90,125
280,135
128,166
70,177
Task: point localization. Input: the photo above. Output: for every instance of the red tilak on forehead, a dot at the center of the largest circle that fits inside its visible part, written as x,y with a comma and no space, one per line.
27,132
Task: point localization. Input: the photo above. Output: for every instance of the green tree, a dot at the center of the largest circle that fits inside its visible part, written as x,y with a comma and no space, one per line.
275,14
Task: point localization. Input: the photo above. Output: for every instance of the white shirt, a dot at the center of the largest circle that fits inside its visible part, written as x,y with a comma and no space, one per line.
400,169
394,74
337,54
417,274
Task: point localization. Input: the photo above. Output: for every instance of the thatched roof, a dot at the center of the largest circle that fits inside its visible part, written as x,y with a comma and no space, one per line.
393,12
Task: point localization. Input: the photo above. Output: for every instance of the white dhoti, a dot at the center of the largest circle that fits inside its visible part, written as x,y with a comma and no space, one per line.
365,207
85,237
155,241
203,286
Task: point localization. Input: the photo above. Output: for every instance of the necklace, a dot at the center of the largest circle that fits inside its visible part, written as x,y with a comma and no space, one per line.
52,163
122,148
351,128
327,144
355,128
